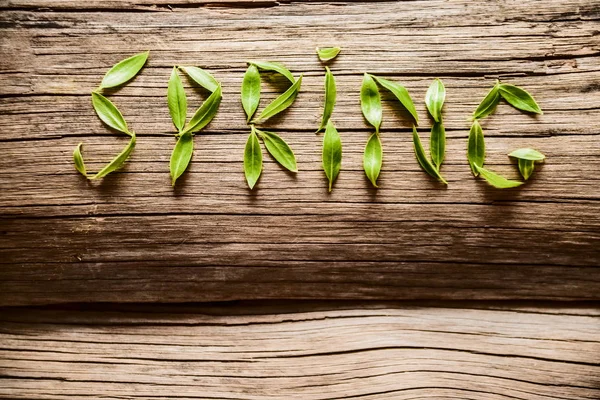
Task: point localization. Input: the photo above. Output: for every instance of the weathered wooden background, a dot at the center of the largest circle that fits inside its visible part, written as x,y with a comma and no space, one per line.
133,238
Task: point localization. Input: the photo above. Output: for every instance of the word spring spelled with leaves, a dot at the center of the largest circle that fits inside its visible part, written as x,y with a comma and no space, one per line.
279,149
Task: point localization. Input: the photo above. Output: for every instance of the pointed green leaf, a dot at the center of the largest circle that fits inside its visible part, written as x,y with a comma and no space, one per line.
423,160
78,160
488,104
252,159
519,98
274,67
434,99
124,70
527,154
205,113
201,77
332,153
330,95
279,149
118,161
401,94
176,100
437,144
370,102
373,158
251,91
282,102
526,167
475,147
496,180
328,53
181,155
109,113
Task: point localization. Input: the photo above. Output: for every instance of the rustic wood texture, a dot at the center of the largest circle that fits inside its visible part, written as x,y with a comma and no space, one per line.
367,352
131,237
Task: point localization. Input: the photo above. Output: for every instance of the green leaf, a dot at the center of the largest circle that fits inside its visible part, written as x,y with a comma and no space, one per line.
205,113
332,153
526,167
370,102
282,102
330,95
373,158
176,100
78,160
251,91
274,67
527,154
434,99
118,161
496,180
437,144
423,160
109,113
401,94
519,98
488,104
475,147
328,53
181,156
252,159
202,78
279,149
526,160
124,70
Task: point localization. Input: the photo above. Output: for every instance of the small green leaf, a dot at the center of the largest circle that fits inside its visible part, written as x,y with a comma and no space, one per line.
488,104
205,113
251,91
78,160
423,160
181,156
519,98
527,154
328,53
176,100
437,144
274,67
330,95
434,99
476,147
526,167
279,149
280,103
252,159
332,153
109,113
373,158
124,70
496,180
370,102
118,161
202,78
401,94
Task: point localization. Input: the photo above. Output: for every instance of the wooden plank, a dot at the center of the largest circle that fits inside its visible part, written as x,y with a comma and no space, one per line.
132,237
389,351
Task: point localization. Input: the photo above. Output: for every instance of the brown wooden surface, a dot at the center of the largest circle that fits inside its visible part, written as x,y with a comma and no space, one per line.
389,351
132,237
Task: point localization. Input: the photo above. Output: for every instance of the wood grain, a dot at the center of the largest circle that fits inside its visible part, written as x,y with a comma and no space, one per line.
389,351
132,237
